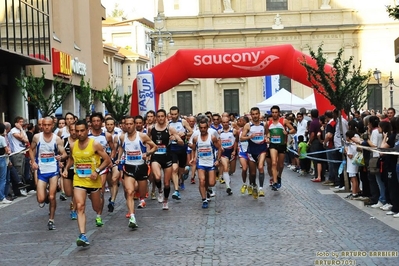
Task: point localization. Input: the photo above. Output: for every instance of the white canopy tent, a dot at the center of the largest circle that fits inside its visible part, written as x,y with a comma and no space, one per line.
285,100
312,100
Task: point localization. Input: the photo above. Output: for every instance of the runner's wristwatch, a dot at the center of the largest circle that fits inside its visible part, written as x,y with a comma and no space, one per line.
98,170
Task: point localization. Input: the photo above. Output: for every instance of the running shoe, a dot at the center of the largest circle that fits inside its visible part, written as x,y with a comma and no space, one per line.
243,188
71,206
255,192
222,181
193,180
51,225
270,181
185,176
111,206
74,215
229,192
275,187
63,197
127,215
82,241
132,222
153,197
176,195
211,193
205,204
160,197
249,190
182,187
165,205
136,195
106,189
142,204
278,182
261,193
99,222
217,178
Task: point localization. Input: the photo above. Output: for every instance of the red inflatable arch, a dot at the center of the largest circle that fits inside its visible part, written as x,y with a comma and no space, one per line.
231,63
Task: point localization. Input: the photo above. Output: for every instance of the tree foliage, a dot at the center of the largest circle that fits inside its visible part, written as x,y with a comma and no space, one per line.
345,86
393,11
85,95
117,105
32,90
117,11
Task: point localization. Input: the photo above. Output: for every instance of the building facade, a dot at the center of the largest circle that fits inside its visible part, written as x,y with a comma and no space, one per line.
61,38
362,28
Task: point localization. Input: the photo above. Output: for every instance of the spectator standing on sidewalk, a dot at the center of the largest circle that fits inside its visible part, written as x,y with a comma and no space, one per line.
18,142
4,150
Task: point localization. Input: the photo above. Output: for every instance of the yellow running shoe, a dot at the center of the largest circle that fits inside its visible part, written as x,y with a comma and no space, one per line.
261,193
249,190
217,178
243,188
255,192
221,180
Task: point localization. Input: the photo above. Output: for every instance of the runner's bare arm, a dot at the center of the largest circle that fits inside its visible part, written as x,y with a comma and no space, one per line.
245,131
32,152
61,150
100,151
150,143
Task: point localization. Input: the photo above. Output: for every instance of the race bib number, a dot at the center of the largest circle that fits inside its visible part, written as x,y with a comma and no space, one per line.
259,137
226,143
204,152
47,157
275,139
83,170
161,149
133,156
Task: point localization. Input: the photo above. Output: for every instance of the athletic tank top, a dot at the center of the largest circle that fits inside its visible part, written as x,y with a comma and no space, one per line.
64,133
134,150
205,151
108,149
161,139
85,163
102,139
227,139
242,145
257,144
67,147
277,135
178,125
45,155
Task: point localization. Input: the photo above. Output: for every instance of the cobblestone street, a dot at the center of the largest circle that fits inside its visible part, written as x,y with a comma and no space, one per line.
301,224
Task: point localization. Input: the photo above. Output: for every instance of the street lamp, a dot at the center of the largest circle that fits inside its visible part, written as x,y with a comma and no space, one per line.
159,38
377,76
391,83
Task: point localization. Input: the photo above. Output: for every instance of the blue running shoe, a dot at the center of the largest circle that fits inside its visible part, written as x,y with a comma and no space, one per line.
205,204
275,187
182,187
82,241
176,195
278,182
74,215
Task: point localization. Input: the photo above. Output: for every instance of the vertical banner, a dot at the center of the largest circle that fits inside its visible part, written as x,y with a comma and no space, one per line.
272,85
145,91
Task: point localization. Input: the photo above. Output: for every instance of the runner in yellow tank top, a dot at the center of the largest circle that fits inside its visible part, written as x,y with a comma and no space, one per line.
85,156
277,132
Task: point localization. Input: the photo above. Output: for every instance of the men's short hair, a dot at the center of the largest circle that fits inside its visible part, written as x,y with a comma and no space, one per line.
82,122
97,114
16,120
174,108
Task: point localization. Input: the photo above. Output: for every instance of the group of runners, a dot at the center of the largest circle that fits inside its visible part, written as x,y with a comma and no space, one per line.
145,155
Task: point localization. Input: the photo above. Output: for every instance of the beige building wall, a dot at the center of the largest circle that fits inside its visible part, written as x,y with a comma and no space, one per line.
363,28
76,27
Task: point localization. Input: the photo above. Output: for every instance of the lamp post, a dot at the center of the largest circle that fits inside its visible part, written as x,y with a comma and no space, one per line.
159,40
377,76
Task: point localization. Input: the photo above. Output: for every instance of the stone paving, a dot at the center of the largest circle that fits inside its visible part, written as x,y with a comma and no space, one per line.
304,223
